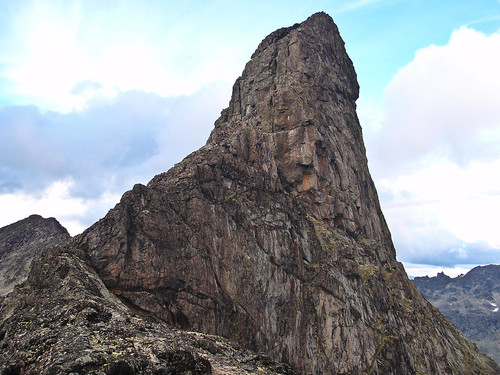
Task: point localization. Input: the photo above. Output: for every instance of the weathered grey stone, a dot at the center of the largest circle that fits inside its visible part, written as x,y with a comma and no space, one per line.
23,241
68,322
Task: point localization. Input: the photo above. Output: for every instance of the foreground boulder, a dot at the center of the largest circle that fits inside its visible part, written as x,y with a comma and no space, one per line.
270,235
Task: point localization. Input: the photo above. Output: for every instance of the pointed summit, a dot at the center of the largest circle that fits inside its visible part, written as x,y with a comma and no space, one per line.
23,241
293,110
271,234
290,72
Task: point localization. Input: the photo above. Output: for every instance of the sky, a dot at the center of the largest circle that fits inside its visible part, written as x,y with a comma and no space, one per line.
97,96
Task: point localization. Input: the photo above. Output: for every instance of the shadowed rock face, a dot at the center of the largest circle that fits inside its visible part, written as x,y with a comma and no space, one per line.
271,234
23,241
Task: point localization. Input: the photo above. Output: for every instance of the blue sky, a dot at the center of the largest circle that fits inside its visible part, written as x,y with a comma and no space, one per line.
96,96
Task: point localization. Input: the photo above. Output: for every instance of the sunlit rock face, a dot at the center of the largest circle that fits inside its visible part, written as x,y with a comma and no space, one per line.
271,234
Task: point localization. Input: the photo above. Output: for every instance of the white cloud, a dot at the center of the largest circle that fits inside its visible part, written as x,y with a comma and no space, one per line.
55,201
51,47
112,138
434,151
444,104
465,199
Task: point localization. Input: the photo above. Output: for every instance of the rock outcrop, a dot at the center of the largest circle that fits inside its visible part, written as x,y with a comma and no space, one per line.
471,302
23,241
63,320
271,235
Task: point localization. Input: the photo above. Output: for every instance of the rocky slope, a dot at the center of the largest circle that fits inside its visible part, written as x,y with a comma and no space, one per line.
270,235
21,242
471,302
63,320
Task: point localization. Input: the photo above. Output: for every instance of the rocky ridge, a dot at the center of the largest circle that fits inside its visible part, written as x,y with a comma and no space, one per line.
471,302
270,235
63,320
23,241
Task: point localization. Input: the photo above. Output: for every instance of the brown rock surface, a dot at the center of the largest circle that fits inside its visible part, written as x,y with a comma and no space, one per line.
63,320
271,234
23,241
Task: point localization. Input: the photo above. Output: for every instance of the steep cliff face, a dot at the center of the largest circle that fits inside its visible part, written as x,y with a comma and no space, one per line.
471,302
23,241
271,234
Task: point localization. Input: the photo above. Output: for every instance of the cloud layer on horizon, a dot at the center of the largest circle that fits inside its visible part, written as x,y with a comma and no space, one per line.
91,155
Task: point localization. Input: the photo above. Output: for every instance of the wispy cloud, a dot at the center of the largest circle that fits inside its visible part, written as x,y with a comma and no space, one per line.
479,21
353,5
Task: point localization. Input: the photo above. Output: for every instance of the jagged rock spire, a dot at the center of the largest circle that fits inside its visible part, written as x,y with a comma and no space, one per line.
296,100
272,234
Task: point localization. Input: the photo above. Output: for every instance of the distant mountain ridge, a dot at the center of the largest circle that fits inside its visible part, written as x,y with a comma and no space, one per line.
471,302
23,241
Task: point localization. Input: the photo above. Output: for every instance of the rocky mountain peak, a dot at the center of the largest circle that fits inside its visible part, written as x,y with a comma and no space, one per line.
271,235
471,302
291,71
292,114
23,241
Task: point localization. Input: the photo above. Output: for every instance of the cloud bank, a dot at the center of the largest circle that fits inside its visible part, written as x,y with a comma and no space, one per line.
91,156
444,104
434,150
